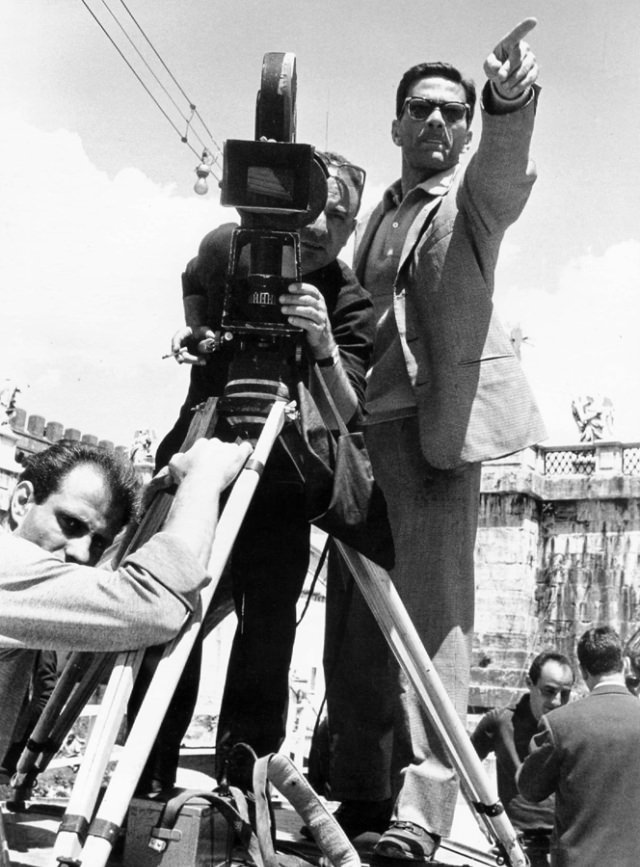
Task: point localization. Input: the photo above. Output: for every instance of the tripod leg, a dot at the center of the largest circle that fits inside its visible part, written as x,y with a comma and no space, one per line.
392,618
105,827
5,860
75,822
79,679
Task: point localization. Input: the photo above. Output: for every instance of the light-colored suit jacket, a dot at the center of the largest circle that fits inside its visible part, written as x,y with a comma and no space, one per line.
473,400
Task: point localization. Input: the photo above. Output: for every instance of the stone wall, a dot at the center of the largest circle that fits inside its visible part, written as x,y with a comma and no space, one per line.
558,551
25,435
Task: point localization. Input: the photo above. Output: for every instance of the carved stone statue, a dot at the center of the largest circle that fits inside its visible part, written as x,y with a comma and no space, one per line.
9,392
140,452
594,417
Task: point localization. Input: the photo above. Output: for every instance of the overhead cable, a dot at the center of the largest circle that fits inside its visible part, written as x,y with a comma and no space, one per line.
211,152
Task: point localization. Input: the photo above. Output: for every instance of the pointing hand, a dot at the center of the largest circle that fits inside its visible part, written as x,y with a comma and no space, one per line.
512,67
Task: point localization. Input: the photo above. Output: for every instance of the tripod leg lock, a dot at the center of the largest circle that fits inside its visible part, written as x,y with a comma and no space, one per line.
109,831
75,824
255,465
488,809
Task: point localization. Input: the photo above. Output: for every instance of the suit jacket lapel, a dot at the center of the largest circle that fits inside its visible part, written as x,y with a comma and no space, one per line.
418,228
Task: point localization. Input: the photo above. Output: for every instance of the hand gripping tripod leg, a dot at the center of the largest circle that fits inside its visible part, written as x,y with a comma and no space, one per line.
392,618
106,825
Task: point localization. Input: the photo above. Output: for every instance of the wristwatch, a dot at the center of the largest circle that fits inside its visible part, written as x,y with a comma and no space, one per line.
329,360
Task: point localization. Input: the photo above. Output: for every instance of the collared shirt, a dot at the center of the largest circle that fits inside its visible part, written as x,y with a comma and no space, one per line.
389,390
609,681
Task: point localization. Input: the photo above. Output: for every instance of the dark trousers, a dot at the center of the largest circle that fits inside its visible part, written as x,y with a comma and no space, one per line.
269,565
267,571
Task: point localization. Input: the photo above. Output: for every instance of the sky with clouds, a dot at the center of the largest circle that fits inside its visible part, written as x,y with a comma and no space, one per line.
98,215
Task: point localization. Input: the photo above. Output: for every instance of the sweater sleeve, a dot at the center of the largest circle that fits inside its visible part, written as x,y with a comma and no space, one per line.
46,603
539,773
483,736
353,326
498,180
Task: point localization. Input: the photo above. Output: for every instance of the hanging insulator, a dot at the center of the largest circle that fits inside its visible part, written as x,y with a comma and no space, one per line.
201,187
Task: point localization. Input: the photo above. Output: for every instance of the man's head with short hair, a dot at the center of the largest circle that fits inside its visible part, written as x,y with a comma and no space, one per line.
436,69
46,469
434,107
322,241
542,658
600,651
550,680
71,499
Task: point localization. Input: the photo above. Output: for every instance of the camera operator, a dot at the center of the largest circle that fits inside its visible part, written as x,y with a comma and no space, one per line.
65,510
271,554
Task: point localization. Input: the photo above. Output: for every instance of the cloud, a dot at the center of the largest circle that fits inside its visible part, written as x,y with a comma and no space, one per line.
91,277
582,336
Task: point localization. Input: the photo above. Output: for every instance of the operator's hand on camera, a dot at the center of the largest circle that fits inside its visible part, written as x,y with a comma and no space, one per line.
305,307
186,339
512,66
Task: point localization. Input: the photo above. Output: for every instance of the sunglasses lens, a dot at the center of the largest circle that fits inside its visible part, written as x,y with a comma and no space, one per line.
453,111
421,109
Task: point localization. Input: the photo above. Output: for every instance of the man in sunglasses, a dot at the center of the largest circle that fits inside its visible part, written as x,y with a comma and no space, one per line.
507,732
271,556
445,393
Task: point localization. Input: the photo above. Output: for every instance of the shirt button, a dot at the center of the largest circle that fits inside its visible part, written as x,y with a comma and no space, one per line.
395,225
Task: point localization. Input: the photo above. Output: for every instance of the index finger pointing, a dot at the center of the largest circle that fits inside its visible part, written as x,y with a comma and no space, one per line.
518,32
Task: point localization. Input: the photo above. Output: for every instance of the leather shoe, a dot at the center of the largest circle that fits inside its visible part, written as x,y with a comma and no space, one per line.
404,841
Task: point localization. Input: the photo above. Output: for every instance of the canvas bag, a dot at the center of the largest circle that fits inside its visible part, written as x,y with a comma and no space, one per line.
251,819
341,496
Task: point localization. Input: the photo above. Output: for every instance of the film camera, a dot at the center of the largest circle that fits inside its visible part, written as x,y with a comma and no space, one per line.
277,187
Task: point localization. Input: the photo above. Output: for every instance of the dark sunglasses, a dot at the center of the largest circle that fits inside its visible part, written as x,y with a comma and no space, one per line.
421,109
345,173
335,169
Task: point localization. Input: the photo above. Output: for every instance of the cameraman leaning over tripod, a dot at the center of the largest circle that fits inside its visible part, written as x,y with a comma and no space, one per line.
271,555
67,506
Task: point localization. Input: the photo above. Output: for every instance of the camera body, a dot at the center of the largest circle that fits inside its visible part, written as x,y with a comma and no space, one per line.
277,186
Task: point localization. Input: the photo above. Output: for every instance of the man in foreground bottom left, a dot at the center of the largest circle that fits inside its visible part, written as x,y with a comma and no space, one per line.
65,510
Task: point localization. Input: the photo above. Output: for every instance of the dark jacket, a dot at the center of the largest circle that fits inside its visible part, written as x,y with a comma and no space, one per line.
588,753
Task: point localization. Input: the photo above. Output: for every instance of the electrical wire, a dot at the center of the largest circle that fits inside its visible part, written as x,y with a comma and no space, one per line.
170,74
211,152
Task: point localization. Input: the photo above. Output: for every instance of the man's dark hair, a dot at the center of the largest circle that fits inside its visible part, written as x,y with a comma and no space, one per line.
436,70
600,650
541,660
46,470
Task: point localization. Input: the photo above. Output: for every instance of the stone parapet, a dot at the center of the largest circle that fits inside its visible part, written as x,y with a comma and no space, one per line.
558,550
24,435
